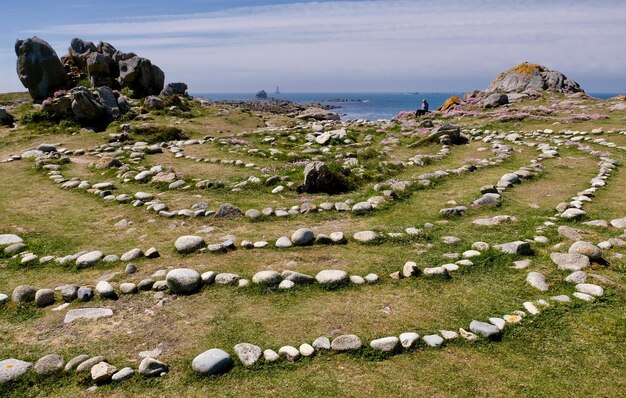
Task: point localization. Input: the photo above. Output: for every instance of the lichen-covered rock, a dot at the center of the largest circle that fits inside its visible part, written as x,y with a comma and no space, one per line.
449,104
528,76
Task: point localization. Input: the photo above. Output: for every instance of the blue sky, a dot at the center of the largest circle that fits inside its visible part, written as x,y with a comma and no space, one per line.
314,46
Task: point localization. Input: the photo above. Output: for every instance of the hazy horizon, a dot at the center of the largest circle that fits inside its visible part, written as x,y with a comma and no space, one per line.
391,46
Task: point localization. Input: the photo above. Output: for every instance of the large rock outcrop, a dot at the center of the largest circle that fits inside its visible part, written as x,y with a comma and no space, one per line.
318,177
39,68
531,78
141,77
42,72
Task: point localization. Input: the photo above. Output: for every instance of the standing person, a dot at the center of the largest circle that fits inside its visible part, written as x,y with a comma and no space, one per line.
424,110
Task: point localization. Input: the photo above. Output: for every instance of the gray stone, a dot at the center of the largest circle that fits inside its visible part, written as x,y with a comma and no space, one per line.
433,340
271,356
410,269
130,269
189,244
226,278
283,242
536,280
371,278
128,288
495,100
386,344
453,211
518,247
306,350
132,255
332,277
485,329
122,375
585,248
152,253
409,339
12,368
110,258
570,261
86,365
590,289
253,214
303,237
145,284
24,294
102,372
346,342
208,278
576,277
366,236
151,367
87,313
89,259
15,249
561,298
267,278
338,238
573,213
362,208
619,223
569,232
49,364
357,280
321,343
77,360
285,284
212,362
292,354
44,297
105,290
84,293
227,210
248,354
183,281
297,277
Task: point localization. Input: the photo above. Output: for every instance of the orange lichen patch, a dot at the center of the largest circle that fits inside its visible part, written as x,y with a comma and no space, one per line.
621,97
525,69
450,104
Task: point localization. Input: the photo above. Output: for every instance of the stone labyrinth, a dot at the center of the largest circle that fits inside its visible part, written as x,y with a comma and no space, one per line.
271,246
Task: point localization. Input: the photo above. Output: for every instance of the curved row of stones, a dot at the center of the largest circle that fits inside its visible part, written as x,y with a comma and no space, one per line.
217,361
82,259
200,209
97,367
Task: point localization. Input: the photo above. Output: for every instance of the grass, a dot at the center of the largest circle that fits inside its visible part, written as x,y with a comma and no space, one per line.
571,349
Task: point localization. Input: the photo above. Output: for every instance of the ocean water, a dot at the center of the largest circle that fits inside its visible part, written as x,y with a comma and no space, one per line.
370,106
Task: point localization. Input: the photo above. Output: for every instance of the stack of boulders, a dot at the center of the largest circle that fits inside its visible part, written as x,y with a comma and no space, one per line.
54,81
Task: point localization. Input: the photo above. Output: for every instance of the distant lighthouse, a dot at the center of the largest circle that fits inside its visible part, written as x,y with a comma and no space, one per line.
277,90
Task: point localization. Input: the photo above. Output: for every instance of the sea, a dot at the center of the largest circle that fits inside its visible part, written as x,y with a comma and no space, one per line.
368,106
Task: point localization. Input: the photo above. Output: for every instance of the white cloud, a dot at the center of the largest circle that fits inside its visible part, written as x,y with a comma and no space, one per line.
390,45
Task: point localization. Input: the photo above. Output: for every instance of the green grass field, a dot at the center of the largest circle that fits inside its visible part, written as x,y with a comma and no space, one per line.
571,349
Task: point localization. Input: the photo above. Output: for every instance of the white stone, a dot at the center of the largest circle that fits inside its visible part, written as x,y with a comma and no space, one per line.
590,288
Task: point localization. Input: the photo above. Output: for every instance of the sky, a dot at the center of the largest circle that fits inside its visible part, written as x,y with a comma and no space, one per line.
242,46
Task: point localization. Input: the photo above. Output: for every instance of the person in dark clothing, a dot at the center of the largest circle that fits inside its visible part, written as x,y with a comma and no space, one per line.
424,110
